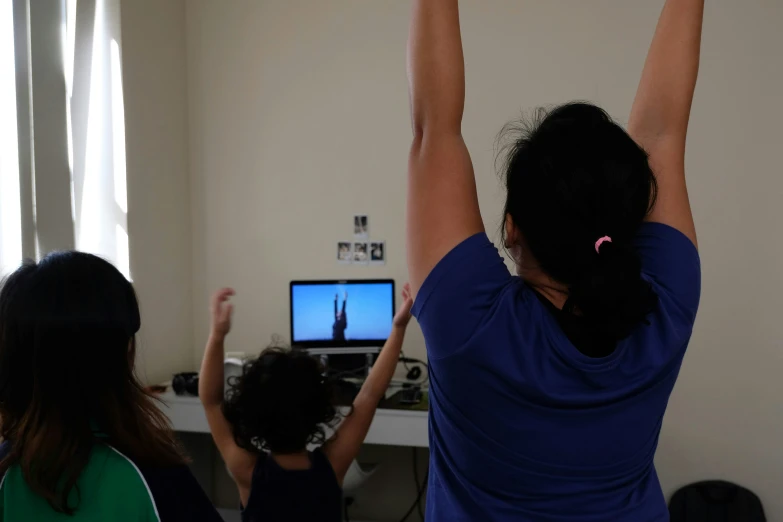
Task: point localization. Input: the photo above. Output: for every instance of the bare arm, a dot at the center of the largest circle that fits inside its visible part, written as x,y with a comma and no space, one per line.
442,202
343,448
661,111
211,391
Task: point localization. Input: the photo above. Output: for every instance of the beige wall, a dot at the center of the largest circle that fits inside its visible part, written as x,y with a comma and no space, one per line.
159,227
299,118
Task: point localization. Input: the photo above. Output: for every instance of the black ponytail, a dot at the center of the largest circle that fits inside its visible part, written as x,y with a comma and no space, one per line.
611,294
572,177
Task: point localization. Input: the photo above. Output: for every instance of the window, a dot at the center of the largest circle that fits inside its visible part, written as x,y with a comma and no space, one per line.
88,50
98,177
10,198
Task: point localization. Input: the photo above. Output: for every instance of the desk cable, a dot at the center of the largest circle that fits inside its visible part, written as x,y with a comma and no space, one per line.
421,487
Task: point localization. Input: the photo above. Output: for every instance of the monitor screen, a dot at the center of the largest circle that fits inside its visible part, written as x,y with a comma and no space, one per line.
355,313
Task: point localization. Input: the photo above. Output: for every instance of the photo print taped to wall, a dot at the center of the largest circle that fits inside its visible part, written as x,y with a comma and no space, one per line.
361,255
361,226
344,252
378,253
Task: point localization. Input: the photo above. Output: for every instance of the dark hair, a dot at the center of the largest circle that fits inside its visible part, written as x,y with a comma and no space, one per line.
280,403
573,176
67,353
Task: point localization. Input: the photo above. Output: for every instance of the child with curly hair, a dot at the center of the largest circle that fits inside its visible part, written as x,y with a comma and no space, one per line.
280,405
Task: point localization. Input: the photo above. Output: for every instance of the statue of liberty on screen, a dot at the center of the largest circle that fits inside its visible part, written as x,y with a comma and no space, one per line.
340,319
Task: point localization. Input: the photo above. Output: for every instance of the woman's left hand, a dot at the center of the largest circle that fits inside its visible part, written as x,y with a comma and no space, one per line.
403,316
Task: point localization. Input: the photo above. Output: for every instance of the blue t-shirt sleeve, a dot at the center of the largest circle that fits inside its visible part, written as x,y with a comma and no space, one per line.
459,293
670,260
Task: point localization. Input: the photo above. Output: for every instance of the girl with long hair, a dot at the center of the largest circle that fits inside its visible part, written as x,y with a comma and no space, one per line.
82,440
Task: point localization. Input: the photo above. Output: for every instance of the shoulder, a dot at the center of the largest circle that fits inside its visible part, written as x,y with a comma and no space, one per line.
116,473
5,450
109,483
172,491
671,262
177,495
319,458
322,466
655,234
460,294
121,478
461,272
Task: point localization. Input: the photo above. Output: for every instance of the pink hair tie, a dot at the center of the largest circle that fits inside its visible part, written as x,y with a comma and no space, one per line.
605,239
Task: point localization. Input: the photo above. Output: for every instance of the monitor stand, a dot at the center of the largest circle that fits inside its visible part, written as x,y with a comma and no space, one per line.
344,360
343,350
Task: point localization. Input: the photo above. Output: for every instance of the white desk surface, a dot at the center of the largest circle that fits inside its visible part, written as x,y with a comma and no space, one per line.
389,427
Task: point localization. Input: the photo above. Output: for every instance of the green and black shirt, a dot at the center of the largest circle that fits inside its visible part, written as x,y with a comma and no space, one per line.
111,488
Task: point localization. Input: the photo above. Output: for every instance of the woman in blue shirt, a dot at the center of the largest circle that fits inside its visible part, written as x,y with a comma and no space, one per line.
548,390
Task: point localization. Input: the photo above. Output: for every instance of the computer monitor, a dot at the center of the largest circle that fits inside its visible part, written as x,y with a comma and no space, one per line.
341,314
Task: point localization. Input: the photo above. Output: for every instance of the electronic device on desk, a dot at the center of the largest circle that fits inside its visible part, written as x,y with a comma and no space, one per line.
345,322
185,383
411,396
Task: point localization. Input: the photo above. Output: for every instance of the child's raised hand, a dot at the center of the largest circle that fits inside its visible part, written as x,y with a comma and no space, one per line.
403,316
221,312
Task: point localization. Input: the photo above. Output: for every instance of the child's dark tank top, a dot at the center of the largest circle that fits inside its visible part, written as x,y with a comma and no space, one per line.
281,495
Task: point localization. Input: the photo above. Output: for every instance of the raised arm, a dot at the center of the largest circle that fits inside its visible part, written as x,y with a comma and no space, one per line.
343,448
442,203
660,114
211,392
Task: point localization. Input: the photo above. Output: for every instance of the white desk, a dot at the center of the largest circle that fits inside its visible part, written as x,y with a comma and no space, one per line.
389,427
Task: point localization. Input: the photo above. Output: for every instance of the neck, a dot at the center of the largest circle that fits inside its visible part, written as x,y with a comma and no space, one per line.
532,274
555,296
293,461
556,293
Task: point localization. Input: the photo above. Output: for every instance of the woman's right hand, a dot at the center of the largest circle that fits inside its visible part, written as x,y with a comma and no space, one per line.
222,310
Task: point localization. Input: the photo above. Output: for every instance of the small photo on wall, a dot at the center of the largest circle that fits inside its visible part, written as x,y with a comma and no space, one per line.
378,253
360,254
344,252
361,227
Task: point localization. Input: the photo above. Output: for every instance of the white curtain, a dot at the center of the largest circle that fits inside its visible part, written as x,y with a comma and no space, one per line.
97,125
10,211
83,50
